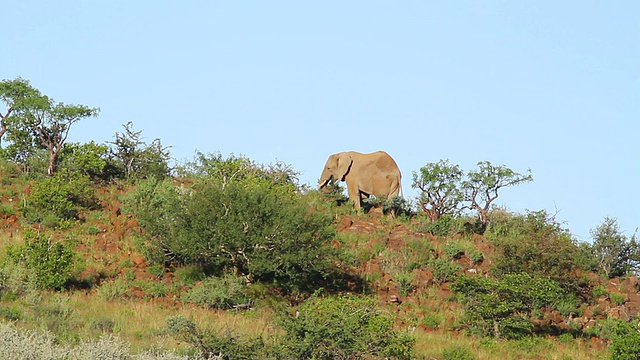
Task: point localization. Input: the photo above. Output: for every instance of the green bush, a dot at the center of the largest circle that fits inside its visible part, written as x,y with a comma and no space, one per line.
51,262
500,307
475,256
625,344
188,275
346,327
453,250
613,253
617,299
220,293
131,158
537,245
443,270
112,290
251,226
445,226
156,270
6,210
88,159
153,289
59,197
598,291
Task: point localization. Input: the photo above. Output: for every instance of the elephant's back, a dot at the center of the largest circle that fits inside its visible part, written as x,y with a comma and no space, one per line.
386,163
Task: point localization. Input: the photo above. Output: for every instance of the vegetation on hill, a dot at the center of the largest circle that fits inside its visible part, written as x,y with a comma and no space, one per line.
109,251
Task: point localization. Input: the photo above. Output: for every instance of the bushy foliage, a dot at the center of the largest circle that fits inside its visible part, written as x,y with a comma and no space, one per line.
443,269
132,158
534,243
625,340
446,225
218,292
444,187
440,186
614,254
249,225
50,261
236,169
346,327
453,250
59,197
89,159
502,307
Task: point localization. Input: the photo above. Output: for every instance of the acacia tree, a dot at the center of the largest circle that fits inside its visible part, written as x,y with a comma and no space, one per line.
53,123
482,185
32,118
440,186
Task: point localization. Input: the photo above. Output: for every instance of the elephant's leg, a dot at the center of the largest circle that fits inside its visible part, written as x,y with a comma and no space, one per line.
394,186
354,195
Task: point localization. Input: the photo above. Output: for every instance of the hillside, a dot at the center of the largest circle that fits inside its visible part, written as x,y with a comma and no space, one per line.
117,289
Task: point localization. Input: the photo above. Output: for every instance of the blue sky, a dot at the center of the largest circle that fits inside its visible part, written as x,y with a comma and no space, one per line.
546,85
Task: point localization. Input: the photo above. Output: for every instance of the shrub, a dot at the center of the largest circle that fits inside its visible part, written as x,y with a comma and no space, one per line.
156,270
154,289
113,290
131,158
476,256
252,227
51,262
88,159
11,313
108,347
59,197
188,275
220,293
625,344
499,307
615,254
453,250
346,327
445,226
598,291
443,270
6,210
537,245
617,299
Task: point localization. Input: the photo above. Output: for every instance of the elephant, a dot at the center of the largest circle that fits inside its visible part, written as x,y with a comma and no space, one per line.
365,174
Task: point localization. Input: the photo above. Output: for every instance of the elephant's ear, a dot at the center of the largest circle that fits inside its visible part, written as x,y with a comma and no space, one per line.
344,164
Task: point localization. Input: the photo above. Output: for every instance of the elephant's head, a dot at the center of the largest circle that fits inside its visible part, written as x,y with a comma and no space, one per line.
336,168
